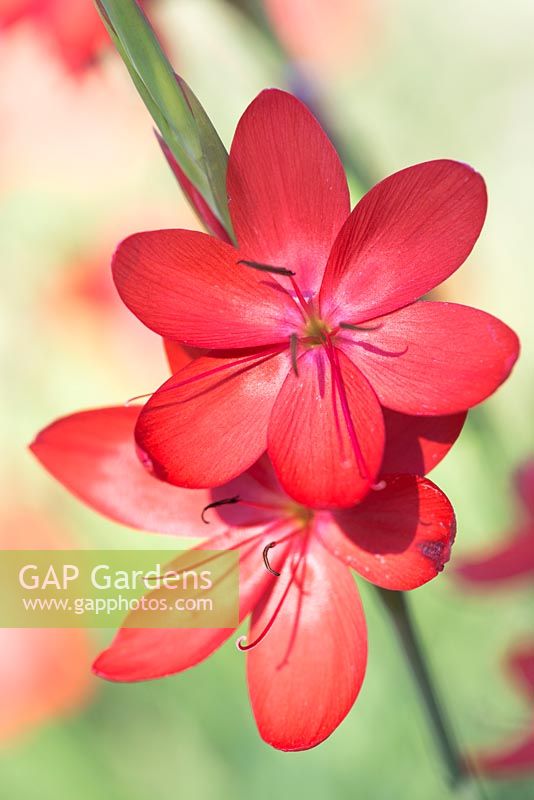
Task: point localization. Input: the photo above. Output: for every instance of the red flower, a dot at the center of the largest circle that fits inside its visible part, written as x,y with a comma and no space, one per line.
513,559
11,11
44,672
306,677
72,26
327,36
306,352
517,757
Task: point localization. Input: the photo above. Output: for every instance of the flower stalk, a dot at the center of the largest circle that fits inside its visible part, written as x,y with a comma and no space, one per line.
399,613
180,118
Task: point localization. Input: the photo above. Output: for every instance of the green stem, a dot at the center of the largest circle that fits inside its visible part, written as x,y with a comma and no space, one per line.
399,613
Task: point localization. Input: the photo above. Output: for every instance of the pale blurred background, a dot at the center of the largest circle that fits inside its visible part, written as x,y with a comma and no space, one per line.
402,81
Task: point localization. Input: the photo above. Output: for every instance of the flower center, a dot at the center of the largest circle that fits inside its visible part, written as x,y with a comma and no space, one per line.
316,332
300,514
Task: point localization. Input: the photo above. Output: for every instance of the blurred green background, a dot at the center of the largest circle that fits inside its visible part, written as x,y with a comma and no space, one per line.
402,81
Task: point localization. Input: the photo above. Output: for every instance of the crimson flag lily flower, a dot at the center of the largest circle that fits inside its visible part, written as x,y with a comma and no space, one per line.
514,559
312,319
517,757
307,646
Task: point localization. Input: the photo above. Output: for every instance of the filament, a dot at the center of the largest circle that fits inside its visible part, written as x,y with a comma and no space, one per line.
265,631
293,346
267,268
261,356
338,378
350,327
266,559
226,502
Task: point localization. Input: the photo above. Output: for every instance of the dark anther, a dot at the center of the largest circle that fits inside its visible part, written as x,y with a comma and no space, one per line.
267,268
266,559
349,327
293,346
228,501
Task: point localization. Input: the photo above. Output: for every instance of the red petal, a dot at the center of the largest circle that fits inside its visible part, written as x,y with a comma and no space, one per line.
44,673
514,559
405,236
262,498
514,759
12,11
434,358
180,355
397,538
188,286
142,654
415,445
524,481
521,666
204,212
76,30
93,455
518,756
287,189
305,676
204,431
309,443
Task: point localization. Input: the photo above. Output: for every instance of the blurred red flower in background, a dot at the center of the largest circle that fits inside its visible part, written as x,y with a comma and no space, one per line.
73,27
83,299
515,758
514,558
305,363
305,679
326,35
44,673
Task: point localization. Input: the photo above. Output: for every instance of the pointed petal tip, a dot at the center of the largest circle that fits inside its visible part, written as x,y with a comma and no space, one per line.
108,668
287,187
111,667
298,746
323,657
99,669
455,357
409,233
34,444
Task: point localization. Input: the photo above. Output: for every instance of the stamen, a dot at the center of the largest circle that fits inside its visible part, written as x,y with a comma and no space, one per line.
204,561
259,357
228,501
302,300
337,421
350,327
266,559
293,346
236,546
273,544
138,397
380,351
265,506
267,268
280,523
251,540
263,634
338,378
